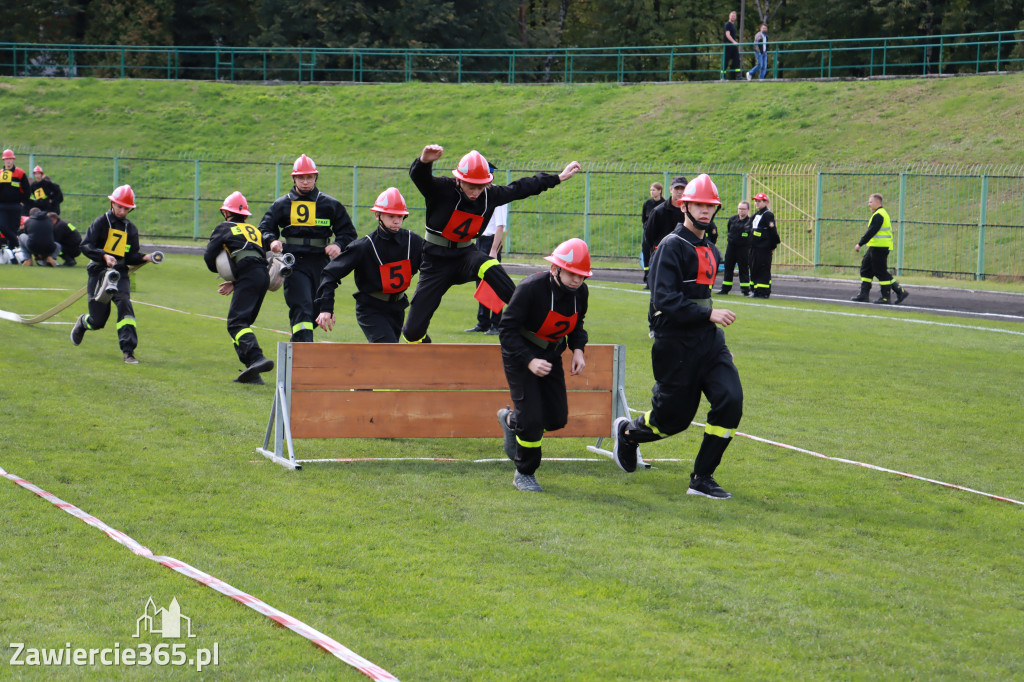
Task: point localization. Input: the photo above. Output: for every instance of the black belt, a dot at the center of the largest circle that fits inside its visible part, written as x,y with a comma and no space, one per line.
305,241
387,298
448,243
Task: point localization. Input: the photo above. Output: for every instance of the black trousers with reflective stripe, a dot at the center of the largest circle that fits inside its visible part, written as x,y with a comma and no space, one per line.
737,255
485,317
299,292
761,271
439,274
540,405
99,313
875,265
251,282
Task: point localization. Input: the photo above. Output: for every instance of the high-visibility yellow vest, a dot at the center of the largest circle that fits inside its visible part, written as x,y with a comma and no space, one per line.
882,238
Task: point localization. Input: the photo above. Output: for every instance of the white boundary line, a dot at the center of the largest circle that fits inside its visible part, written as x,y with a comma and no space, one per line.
371,670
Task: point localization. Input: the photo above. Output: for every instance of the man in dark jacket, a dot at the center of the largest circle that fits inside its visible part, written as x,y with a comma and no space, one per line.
303,223
46,194
662,219
764,238
68,237
14,199
737,250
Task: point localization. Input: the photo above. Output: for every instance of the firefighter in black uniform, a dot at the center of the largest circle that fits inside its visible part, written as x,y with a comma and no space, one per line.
737,250
112,242
68,237
656,200
689,355
302,223
46,194
384,263
243,262
878,239
15,200
662,219
457,210
544,317
764,239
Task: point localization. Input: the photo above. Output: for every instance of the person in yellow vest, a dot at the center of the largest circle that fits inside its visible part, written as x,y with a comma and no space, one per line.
874,264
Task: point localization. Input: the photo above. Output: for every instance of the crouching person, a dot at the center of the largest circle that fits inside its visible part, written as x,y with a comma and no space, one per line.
236,252
543,317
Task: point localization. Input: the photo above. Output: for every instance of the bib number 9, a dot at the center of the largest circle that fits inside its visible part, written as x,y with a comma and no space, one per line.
303,213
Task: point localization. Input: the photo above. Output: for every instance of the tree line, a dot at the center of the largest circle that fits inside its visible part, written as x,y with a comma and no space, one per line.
491,24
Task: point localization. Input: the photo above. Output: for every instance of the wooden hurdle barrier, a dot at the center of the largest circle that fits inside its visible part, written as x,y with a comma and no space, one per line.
437,390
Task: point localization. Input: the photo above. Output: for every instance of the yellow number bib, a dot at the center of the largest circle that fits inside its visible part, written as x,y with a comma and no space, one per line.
303,213
251,234
117,242
5,176
39,194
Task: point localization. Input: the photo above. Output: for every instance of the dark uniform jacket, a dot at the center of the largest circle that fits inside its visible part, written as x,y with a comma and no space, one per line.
46,195
307,222
662,221
117,237
451,215
380,253
40,235
534,298
739,230
649,206
682,274
65,234
241,240
14,188
763,233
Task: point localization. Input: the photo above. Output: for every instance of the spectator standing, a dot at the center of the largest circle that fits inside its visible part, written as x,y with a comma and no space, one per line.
732,49
737,250
663,219
657,199
46,194
15,199
760,54
491,242
689,355
37,242
303,223
67,236
764,239
875,263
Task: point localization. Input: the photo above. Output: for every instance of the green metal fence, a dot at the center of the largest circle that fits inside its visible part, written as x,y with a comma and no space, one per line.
957,222
913,55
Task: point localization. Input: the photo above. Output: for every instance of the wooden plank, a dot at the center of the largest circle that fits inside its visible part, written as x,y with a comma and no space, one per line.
434,366
430,414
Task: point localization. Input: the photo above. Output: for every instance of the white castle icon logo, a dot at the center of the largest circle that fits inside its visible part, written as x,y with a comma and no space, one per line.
163,622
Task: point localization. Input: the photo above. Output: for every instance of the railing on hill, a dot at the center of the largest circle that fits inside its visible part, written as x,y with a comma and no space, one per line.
862,57
952,222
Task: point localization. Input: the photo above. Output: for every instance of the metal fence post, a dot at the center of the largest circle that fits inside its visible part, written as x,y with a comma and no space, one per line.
355,195
277,181
902,216
195,206
817,224
586,210
981,228
117,172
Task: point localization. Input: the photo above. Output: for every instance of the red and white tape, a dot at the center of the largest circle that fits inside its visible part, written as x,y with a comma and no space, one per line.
371,670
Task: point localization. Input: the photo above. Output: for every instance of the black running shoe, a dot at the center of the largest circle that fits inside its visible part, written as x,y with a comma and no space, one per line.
510,434
254,370
78,331
625,452
706,487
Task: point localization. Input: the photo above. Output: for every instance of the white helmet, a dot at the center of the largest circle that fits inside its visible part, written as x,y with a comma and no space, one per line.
6,256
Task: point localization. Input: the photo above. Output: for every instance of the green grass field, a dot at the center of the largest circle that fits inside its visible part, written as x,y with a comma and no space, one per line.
443,571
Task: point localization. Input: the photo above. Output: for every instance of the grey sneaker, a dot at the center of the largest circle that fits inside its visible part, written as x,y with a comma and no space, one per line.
705,486
510,434
78,331
625,451
527,483
129,358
